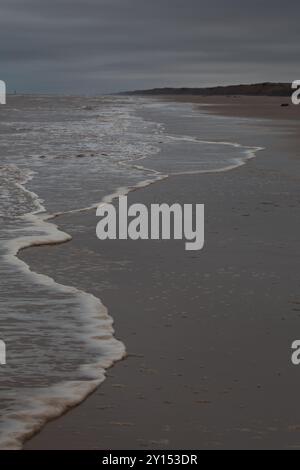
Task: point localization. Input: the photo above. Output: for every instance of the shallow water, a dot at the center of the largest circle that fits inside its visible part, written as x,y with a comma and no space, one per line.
67,154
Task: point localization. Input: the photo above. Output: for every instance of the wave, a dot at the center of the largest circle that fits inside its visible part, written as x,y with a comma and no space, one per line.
52,401
49,403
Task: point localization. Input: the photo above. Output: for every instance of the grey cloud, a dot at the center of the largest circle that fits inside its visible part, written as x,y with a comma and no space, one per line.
108,45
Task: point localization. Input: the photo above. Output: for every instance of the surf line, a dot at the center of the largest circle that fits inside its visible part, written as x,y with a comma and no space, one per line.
162,223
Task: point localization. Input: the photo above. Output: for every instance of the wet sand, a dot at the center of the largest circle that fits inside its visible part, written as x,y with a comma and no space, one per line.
208,333
263,107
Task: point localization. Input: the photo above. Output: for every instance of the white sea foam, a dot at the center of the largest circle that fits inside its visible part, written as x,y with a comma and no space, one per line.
48,403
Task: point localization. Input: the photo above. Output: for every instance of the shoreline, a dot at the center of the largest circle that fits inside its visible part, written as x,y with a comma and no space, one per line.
51,402
62,238
253,107
70,420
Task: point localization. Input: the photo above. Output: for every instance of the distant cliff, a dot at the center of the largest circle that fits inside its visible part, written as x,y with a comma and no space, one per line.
258,89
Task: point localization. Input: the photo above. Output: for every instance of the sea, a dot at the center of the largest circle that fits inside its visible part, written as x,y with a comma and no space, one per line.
62,154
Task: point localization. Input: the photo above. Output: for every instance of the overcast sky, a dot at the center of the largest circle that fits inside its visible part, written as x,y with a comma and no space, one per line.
100,46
